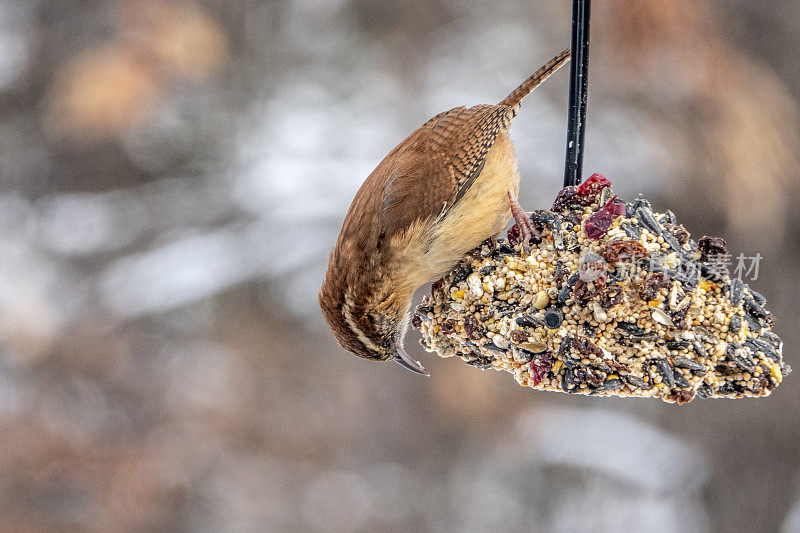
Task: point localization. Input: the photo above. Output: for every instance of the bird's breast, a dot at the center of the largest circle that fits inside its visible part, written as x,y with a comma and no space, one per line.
483,211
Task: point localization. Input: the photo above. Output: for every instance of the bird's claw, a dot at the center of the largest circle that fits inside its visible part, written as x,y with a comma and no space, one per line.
524,222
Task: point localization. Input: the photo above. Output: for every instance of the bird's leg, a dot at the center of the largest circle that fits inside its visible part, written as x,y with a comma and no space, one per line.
524,222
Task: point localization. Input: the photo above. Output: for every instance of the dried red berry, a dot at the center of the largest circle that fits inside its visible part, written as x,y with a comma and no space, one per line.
653,282
589,189
567,198
416,321
680,396
611,296
474,329
712,246
597,225
679,232
586,347
629,250
540,365
581,290
619,367
594,378
599,285
763,379
448,326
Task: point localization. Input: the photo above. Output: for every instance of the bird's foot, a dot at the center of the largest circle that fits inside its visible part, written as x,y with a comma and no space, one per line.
524,222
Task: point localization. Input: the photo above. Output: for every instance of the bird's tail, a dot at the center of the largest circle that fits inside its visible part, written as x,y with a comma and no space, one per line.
513,100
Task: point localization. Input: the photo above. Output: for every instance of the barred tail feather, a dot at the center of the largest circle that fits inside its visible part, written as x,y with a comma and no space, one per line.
513,100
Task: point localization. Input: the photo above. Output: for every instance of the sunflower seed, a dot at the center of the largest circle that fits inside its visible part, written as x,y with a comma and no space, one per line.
711,272
543,219
501,342
683,362
743,360
647,220
753,308
605,195
558,235
758,345
568,381
631,329
703,334
666,371
699,350
753,323
681,381
533,347
631,231
493,347
528,321
610,384
660,316
673,296
774,340
485,271
503,249
687,273
563,348
637,382
670,239
704,391
480,362
564,294
461,275
524,356
736,289
677,345
599,314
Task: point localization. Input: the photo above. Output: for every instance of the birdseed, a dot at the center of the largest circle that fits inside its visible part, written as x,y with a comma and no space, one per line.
612,300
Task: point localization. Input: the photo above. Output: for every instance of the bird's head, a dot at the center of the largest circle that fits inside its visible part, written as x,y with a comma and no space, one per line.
370,330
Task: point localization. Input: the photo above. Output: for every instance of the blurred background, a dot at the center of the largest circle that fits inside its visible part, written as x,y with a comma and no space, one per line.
173,174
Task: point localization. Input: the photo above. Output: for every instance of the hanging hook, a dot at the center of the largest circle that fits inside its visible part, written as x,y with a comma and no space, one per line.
578,82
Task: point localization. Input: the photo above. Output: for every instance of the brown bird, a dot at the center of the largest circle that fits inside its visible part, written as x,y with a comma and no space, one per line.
446,188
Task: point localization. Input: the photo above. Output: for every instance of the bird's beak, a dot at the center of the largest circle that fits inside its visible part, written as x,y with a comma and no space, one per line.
405,360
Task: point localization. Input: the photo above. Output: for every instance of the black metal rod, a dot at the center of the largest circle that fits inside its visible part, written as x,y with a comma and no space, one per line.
578,82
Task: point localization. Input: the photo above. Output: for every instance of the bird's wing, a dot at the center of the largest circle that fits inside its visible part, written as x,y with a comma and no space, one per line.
438,163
